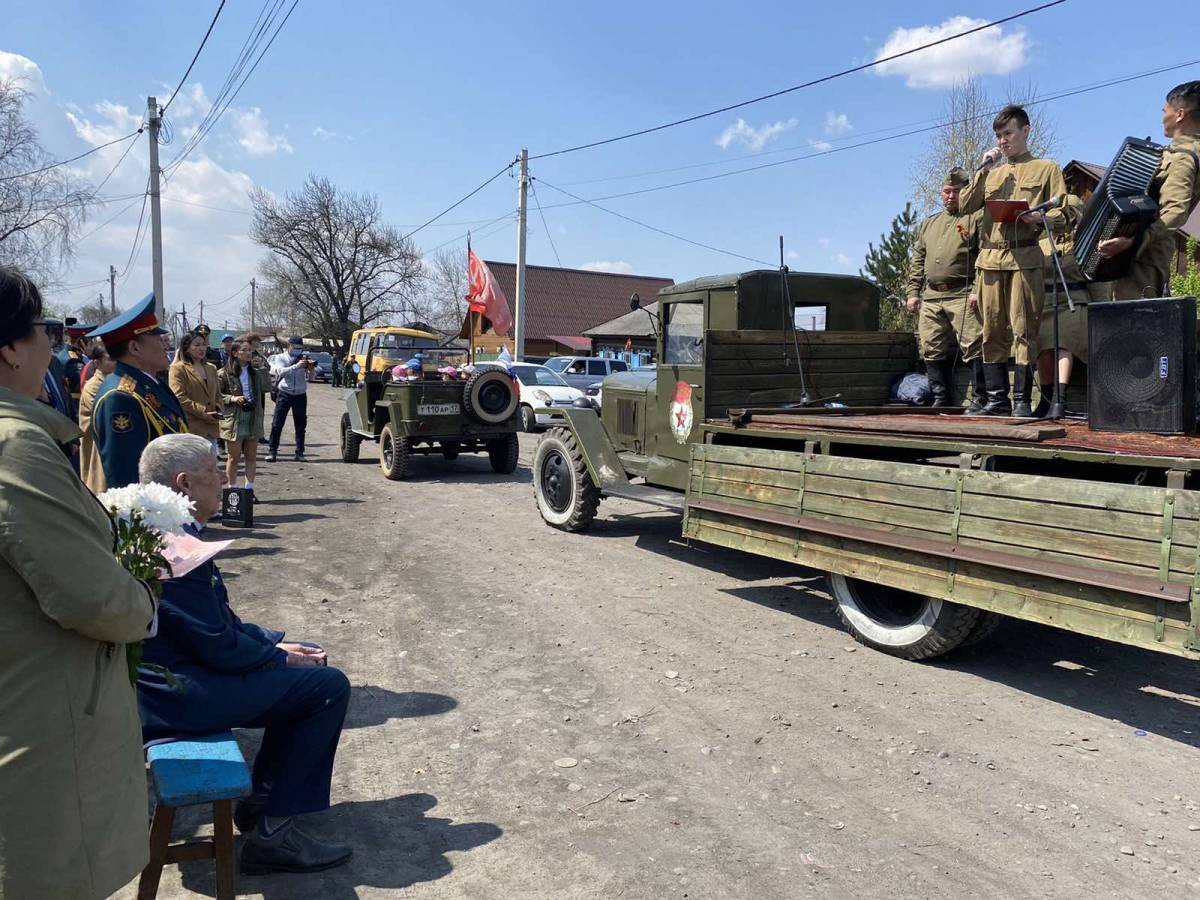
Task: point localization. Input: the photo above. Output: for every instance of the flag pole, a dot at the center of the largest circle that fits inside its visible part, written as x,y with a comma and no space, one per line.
470,313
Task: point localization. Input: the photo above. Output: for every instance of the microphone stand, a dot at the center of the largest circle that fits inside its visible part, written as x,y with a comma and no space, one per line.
1058,408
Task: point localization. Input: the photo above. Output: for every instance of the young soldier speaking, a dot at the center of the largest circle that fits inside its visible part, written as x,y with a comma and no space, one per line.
1008,288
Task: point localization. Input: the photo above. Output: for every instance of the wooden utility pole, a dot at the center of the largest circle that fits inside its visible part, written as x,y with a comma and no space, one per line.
253,288
112,288
155,206
519,312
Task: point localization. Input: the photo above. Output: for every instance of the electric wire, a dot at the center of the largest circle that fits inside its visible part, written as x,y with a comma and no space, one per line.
65,162
823,79
459,201
655,228
203,41
479,234
571,293
109,221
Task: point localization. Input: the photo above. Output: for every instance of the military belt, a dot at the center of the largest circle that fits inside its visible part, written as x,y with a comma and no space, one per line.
959,285
997,245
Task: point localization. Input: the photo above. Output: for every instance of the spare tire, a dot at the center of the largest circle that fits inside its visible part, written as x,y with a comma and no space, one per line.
490,396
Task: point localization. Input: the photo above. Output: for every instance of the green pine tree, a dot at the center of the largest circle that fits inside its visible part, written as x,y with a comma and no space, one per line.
1186,282
887,265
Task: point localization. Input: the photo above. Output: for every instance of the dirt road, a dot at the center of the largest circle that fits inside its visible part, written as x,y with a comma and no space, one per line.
729,739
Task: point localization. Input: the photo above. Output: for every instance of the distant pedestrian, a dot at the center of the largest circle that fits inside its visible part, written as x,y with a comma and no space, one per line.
226,343
91,469
243,394
194,381
290,370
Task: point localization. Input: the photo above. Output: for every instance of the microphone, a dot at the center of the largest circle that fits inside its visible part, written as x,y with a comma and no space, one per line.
989,160
1052,203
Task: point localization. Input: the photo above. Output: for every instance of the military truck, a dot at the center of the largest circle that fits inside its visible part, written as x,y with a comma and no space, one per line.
931,525
427,414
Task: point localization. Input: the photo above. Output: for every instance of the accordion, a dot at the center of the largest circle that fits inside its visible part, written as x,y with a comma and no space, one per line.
1121,206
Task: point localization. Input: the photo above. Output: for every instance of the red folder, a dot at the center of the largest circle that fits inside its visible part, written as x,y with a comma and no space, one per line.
1006,211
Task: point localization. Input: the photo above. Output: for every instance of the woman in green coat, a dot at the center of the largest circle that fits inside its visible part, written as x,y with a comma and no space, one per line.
72,776
243,389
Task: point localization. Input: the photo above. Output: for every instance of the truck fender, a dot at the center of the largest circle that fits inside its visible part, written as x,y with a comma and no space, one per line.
603,463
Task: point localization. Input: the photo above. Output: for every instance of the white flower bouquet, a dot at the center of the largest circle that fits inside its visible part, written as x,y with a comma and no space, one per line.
144,514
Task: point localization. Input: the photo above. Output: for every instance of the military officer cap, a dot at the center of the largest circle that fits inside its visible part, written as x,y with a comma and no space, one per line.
203,330
74,329
957,177
139,319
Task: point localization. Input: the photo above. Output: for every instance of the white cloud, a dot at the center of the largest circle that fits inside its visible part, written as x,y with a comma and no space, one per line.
820,145
823,243
836,123
254,134
24,70
619,266
992,51
841,259
326,134
742,132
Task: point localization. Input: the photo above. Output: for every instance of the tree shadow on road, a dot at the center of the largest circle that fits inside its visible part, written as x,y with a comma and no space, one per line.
370,705
1148,691
396,845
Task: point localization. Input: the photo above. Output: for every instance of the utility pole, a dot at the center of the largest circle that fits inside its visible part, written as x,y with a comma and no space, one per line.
519,313
112,288
253,287
201,321
155,206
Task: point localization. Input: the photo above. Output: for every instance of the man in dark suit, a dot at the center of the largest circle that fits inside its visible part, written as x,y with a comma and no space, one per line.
234,674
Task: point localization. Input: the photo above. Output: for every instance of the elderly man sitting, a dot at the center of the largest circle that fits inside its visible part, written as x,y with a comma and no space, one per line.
237,675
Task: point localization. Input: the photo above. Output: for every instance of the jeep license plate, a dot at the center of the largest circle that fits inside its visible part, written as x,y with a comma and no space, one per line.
438,409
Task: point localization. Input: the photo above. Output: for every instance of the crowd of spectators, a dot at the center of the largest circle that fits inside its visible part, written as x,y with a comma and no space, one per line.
73,794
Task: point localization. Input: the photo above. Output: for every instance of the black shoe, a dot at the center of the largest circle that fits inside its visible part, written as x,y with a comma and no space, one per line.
299,456
290,850
272,456
996,378
978,388
263,441
246,813
1043,408
937,371
1022,391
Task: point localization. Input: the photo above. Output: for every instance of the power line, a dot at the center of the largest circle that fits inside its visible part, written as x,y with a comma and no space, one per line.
203,41
466,234
460,201
113,170
65,162
824,78
109,221
137,234
561,268
232,296
663,231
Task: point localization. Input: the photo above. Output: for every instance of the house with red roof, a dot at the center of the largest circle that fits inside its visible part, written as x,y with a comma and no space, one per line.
560,306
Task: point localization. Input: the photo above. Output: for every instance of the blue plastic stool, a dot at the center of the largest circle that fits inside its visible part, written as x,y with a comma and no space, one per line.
187,773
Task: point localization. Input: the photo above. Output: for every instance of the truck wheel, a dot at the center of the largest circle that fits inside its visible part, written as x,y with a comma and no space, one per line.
451,449
567,497
502,453
490,396
350,441
984,628
904,624
393,453
528,419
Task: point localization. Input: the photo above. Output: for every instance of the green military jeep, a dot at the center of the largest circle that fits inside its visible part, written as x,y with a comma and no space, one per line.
427,414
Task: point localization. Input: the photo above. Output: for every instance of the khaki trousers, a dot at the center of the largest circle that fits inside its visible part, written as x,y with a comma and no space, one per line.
941,321
1010,303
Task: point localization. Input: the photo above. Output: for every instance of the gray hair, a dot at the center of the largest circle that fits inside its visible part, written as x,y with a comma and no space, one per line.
167,456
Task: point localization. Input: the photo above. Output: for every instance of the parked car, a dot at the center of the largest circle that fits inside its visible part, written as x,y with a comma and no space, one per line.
582,371
323,370
539,387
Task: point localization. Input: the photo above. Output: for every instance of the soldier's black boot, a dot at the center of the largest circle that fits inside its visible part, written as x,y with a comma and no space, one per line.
978,388
1022,391
1043,407
938,373
995,377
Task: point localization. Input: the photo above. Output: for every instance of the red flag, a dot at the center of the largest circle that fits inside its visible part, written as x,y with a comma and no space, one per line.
485,296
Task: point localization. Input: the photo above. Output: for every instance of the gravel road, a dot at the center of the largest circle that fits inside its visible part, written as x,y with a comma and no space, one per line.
620,715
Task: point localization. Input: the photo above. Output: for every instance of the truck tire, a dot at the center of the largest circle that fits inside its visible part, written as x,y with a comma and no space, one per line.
350,441
450,450
490,396
502,454
984,628
904,624
393,453
566,496
528,419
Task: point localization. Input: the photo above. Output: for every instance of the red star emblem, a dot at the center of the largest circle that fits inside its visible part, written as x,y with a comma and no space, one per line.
681,416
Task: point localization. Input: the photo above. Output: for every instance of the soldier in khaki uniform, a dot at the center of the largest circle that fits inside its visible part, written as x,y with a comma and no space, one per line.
1009,281
1176,187
940,278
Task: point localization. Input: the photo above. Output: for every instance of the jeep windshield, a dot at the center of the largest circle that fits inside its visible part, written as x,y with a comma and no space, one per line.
537,376
395,345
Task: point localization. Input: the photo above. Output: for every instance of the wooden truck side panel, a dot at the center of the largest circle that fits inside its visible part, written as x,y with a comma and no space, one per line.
1110,560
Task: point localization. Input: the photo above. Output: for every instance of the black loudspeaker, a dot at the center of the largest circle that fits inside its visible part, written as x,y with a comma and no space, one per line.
237,507
1142,365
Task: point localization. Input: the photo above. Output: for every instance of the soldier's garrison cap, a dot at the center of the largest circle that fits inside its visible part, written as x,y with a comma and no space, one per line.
956,177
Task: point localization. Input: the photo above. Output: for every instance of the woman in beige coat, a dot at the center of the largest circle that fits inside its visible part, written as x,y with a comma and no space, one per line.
91,469
194,381
243,395
72,777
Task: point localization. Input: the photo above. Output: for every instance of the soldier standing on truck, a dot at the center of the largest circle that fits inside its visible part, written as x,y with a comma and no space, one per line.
1008,287
940,278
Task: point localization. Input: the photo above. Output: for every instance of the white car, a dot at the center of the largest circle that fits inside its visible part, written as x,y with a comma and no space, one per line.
540,388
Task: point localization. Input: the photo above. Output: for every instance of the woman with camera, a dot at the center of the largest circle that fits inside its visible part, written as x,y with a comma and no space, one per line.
243,394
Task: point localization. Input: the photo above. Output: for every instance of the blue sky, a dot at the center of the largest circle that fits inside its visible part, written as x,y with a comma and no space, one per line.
422,104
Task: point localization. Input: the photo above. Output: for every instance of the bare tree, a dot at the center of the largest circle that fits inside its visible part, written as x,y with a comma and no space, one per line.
40,211
97,312
275,313
967,135
446,290
333,258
